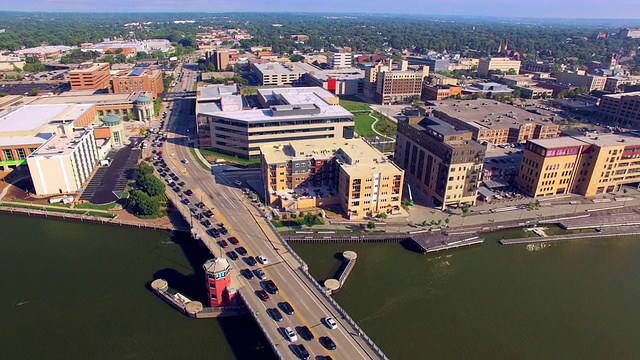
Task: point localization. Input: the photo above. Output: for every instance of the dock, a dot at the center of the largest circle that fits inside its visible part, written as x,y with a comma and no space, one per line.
193,309
430,242
349,262
601,221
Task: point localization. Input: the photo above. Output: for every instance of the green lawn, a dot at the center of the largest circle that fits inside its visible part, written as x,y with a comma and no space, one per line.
385,126
197,159
363,125
353,104
90,206
229,158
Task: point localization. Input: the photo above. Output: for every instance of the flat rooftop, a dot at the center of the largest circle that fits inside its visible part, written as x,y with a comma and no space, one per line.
34,118
601,140
88,97
62,144
355,156
87,67
619,95
215,92
273,68
488,114
288,96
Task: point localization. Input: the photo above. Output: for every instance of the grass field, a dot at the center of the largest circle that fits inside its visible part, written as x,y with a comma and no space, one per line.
229,158
363,124
353,104
385,126
197,159
90,206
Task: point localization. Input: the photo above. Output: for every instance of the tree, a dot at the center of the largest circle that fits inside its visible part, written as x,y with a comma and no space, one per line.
371,225
517,93
34,91
143,204
512,72
151,185
143,168
296,58
382,216
311,219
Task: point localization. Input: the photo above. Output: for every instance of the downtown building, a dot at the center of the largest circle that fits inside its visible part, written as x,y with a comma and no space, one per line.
621,109
281,115
346,172
392,86
502,64
440,161
90,76
586,165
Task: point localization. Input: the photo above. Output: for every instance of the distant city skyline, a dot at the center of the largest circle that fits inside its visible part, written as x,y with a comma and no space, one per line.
614,9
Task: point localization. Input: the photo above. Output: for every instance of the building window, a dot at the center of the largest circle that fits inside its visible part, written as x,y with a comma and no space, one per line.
21,154
8,155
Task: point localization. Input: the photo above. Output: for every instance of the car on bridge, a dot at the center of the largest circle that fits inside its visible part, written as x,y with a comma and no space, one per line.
262,295
260,274
223,244
290,335
270,286
330,323
233,240
327,342
286,307
301,351
247,274
238,183
262,260
305,333
232,255
250,261
241,250
275,314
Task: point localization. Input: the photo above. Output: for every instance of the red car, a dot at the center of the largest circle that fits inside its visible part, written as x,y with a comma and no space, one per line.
233,240
263,295
224,244
159,153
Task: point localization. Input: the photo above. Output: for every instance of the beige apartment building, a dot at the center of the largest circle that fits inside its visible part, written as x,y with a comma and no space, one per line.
440,161
494,122
399,86
502,64
90,76
65,162
315,173
585,165
622,109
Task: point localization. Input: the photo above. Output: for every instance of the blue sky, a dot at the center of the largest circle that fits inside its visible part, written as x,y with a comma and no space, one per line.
626,9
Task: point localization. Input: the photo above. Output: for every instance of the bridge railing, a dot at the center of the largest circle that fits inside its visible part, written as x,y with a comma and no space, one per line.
304,270
276,349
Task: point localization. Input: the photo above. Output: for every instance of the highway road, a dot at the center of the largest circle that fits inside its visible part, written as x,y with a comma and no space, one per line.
244,222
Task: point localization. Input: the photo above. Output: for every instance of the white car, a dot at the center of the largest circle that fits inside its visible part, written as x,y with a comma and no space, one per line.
238,183
262,260
290,334
185,161
330,323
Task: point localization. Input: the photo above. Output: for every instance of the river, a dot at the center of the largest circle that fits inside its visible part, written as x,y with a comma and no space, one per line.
80,291
571,300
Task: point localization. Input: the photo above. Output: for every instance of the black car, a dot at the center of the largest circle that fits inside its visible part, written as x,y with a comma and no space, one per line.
327,342
232,255
301,351
214,232
175,178
181,183
305,333
185,201
250,261
270,286
206,223
223,231
241,250
286,307
200,205
188,192
247,274
175,189
275,314
207,213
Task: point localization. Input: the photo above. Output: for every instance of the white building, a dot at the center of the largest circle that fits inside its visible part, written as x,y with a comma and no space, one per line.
339,60
65,162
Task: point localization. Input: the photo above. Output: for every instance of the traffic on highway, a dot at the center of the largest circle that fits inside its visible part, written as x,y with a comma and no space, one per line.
299,321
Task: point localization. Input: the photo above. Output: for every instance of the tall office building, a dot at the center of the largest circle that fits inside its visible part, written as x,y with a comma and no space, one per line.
221,60
139,79
440,161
